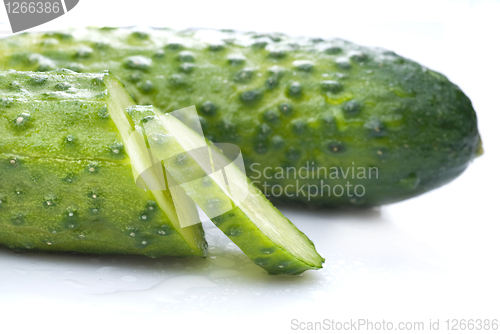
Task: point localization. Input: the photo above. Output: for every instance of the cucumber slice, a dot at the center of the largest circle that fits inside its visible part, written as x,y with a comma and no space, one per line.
118,100
66,165
254,225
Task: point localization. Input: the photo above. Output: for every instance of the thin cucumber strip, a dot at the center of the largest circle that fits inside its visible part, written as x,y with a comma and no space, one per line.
255,225
119,100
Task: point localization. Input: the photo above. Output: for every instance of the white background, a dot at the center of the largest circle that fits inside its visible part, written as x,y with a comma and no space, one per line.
431,257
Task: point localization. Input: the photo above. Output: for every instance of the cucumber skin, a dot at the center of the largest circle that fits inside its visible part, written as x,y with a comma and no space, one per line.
381,110
78,113
28,223
235,224
38,164
273,259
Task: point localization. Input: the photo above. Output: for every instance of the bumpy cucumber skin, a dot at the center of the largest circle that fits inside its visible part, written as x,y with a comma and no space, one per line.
287,102
235,223
66,181
55,205
64,115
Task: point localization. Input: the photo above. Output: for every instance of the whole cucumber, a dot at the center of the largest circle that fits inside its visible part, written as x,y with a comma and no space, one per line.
66,181
321,122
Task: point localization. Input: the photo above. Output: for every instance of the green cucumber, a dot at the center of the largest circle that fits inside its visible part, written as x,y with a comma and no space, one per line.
342,114
253,224
66,171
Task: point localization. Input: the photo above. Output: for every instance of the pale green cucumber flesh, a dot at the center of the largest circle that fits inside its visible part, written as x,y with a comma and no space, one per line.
119,100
